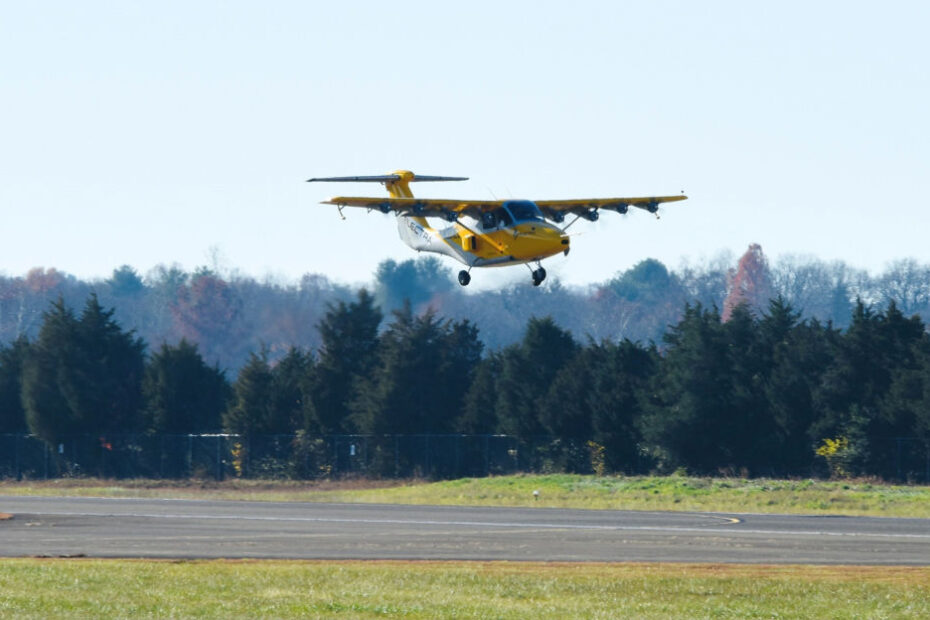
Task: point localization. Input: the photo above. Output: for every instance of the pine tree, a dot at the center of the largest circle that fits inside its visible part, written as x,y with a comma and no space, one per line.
349,353
798,352
478,405
49,365
182,393
12,358
425,367
83,375
617,393
251,407
687,421
413,280
290,378
528,370
856,398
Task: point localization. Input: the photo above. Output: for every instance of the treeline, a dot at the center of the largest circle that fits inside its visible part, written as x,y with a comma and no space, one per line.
767,393
228,315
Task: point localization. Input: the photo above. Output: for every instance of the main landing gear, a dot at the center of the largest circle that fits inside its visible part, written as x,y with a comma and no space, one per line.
539,274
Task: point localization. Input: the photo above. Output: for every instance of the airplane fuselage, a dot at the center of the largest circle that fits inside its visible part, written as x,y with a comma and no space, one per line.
476,245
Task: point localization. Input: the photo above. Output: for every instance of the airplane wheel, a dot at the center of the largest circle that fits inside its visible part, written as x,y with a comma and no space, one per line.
464,278
538,276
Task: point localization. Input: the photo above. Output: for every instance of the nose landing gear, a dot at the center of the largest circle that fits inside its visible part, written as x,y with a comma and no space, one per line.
539,274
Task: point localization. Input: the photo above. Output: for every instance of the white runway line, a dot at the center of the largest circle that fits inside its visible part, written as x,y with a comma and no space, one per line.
492,524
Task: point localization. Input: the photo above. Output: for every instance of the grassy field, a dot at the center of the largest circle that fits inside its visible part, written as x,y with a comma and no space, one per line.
857,497
42,588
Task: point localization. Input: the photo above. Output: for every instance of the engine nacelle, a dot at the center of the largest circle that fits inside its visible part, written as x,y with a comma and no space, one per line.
591,215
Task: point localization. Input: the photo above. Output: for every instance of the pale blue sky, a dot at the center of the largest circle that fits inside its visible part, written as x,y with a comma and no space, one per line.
156,132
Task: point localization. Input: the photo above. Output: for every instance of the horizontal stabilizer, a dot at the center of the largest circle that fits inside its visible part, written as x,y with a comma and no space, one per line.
427,177
385,178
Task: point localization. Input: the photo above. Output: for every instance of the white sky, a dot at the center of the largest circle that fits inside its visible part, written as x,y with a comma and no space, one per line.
162,132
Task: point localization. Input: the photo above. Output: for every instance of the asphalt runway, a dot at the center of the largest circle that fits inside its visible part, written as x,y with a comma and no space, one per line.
160,528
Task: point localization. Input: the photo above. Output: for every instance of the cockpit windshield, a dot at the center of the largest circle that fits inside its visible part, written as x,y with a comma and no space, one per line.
523,210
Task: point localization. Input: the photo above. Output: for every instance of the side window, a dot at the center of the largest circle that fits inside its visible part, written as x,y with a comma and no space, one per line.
505,217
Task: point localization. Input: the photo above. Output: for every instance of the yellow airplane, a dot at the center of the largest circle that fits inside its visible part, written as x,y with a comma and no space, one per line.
484,233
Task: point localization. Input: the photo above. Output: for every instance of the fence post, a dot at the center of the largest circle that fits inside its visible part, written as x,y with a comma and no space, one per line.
897,456
426,467
364,445
219,463
19,471
335,453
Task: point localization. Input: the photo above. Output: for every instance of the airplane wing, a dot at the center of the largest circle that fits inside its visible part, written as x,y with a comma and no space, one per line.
427,207
555,209
450,209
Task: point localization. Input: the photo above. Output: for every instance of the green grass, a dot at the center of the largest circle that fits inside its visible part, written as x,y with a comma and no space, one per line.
42,588
856,497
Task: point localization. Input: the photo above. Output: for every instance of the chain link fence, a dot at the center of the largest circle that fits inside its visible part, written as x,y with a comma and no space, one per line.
221,456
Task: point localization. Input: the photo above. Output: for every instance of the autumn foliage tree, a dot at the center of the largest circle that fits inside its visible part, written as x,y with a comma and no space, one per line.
750,283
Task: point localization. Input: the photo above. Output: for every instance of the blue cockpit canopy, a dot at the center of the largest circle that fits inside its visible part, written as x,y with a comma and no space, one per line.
523,210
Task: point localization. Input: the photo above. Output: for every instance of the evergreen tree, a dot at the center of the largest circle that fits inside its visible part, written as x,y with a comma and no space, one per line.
425,367
12,415
527,372
414,280
350,350
252,406
48,366
875,349
182,393
461,357
750,428
478,405
799,351
125,282
111,366
565,409
621,377
689,421
289,383
920,394
83,375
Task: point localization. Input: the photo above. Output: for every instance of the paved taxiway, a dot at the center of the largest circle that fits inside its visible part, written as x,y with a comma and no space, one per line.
158,528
